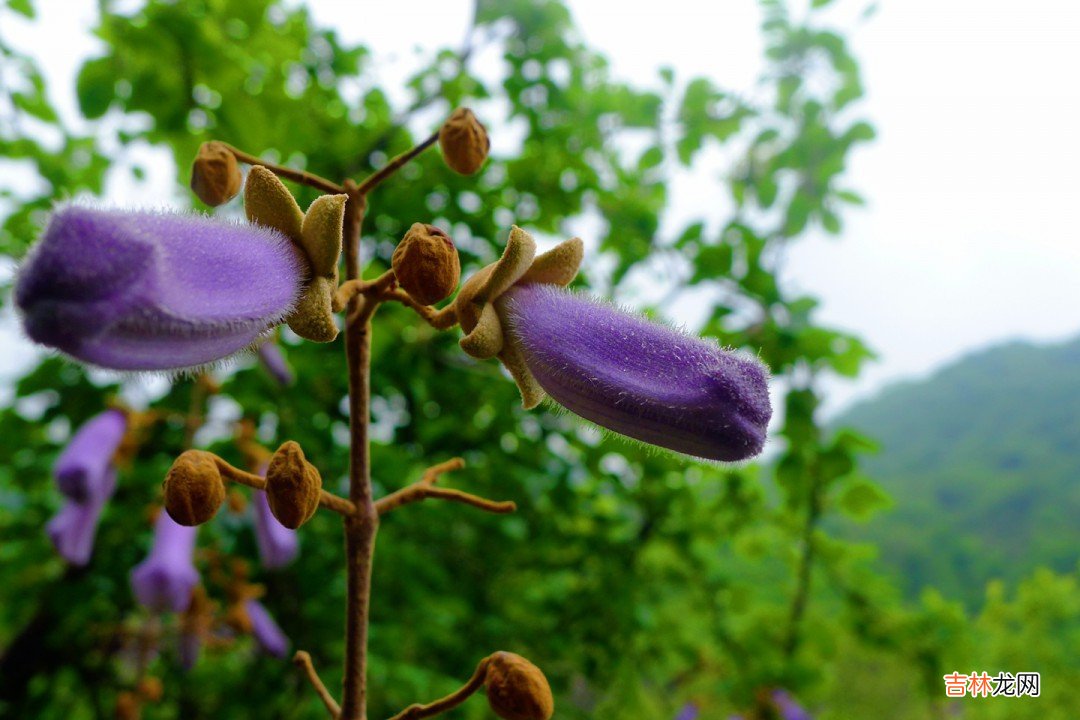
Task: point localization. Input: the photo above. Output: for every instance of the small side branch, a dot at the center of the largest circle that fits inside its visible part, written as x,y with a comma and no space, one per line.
300,176
351,288
373,180
326,499
302,660
425,488
417,711
443,319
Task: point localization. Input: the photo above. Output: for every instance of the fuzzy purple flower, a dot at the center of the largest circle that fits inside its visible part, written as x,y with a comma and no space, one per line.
266,632
84,466
154,291
271,358
278,545
165,579
72,530
637,378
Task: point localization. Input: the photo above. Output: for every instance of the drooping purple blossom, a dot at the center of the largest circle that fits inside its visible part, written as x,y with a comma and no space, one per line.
73,528
154,291
640,379
83,467
274,361
788,708
165,579
267,633
278,545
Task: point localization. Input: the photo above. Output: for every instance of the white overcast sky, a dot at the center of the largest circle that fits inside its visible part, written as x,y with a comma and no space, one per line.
972,234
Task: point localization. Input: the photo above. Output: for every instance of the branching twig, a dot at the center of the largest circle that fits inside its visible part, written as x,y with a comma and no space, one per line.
302,660
351,288
300,176
443,319
373,180
417,712
425,488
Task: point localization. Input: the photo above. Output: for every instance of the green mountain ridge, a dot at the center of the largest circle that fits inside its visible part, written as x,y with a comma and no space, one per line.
982,460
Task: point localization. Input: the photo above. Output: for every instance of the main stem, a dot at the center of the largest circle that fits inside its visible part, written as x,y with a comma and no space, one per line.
361,526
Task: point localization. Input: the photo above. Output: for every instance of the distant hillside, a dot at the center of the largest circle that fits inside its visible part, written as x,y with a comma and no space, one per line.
983,462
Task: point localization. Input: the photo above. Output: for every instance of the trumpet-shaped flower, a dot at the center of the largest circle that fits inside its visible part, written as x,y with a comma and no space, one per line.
271,358
165,579
83,469
788,708
154,291
278,545
638,378
624,373
72,530
267,633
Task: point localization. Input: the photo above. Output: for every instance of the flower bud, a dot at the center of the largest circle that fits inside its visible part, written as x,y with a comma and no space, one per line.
517,689
194,490
151,689
293,486
215,176
464,142
426,264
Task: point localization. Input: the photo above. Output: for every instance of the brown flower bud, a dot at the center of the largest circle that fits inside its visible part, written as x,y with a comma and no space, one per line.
517,689
426,264
150,689
293,486
194,489
464,142
127,706
215,176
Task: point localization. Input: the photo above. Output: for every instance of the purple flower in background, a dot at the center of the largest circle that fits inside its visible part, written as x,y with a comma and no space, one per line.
637,378
274,361
267,633
154,291
787,707
72,530
689,711
278,545
165,579
84,467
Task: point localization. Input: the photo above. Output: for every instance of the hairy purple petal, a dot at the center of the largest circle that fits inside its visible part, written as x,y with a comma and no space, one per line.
267,633
154,291
278,545
83,467
638,378
274,361
165,579
73,528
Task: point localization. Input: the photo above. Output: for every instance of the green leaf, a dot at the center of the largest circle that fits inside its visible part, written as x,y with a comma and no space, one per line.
861,499
95,87
23,7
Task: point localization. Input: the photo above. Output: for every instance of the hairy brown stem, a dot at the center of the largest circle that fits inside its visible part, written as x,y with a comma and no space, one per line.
303,661
362,525
300,176
351,288
443,319
417,712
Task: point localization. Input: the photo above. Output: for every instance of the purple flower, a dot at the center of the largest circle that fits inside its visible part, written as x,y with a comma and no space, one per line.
274,361
638,378
788,708
165,579
689,711
83,469
154,291
267,633
72,530
278,545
